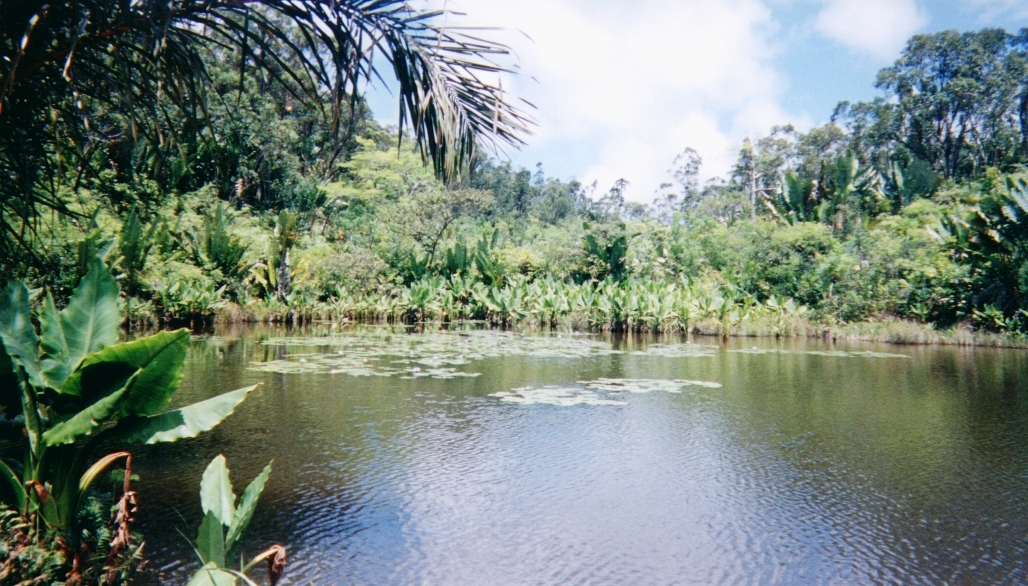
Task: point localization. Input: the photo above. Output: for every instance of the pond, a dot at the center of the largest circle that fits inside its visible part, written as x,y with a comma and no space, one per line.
485,457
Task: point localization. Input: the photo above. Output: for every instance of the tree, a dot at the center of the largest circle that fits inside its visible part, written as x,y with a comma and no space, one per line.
958,101
82,75
758,168
671,198
612,205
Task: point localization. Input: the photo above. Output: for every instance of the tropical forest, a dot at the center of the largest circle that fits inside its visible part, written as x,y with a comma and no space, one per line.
434,364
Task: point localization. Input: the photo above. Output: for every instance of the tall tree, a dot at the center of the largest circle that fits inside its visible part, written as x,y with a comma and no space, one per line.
959,101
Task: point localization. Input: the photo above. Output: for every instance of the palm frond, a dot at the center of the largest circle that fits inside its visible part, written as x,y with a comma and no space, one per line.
77,72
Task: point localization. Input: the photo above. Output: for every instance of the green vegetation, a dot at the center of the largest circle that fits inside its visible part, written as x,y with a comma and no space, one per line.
180,163
224,524
71,388
136,138
177,163
866,220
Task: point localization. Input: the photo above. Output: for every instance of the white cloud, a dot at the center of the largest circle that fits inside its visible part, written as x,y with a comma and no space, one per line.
880,27
622,87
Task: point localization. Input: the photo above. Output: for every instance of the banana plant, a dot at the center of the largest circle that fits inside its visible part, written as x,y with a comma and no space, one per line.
225,521
73,387
612,254
414,267
135,243
491,270
793,202
216,250
458,260
903,183
848,192
188,299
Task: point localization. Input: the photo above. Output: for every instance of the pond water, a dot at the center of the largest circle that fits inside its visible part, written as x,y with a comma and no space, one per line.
483,457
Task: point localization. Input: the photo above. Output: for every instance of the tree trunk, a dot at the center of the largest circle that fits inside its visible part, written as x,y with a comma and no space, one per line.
284,276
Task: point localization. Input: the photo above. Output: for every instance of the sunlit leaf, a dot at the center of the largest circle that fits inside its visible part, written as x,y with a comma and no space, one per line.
216,496
184,423
247,506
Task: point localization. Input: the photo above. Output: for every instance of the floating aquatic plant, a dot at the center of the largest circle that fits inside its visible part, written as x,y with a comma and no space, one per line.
594,392
554,395
383,353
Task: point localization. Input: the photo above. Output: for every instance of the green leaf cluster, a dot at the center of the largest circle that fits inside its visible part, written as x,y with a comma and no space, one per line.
75,387
225,521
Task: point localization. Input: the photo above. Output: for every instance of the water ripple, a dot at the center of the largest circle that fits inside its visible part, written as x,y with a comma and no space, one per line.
801,466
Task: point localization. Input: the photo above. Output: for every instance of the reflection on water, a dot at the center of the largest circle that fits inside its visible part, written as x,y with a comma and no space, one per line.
806,465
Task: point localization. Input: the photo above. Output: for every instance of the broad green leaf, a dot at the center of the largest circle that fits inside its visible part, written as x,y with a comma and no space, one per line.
247,505
55,364
212,575
12,491
210,541
184,423
216,496
16,330
87,420
96,381
160,357
92,317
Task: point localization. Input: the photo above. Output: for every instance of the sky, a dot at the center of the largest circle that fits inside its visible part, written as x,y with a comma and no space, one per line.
621,87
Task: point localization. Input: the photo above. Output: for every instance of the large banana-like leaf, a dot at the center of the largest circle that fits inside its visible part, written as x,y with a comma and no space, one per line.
56,365
245,510
159,358
91,319
184,423
89,419
16,331
216,496
210,541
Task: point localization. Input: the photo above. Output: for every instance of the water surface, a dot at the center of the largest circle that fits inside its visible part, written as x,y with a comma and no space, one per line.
498,458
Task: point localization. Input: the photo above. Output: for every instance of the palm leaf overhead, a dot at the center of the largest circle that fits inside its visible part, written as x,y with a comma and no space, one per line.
78,74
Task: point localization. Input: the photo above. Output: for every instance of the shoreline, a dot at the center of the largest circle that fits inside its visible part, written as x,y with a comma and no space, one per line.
886,331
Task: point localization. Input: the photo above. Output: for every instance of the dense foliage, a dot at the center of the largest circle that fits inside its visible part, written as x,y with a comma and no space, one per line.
912,206
70,389
173,163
